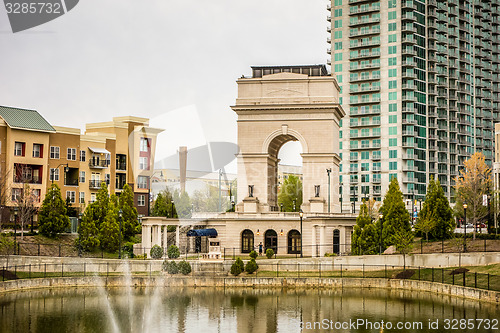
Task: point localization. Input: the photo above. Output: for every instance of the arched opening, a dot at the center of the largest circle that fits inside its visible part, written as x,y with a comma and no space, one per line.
247,241
289,176
293,242
336,241
271,240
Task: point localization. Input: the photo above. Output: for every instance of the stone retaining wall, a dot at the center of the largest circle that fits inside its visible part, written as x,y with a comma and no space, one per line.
457,291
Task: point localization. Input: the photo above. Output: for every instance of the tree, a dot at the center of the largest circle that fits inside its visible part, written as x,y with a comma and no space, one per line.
404,243
182,204
25,203
473,182
163,204
436,216
109,230
52,216
129,213
207,200
364,238
102,205
70,210
289,192
395,216
88,232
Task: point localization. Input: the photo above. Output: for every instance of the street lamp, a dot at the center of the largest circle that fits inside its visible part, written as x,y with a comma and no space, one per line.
301,214
412,206
79,238
120,215
294,205
52,171
16,211
328,171
465,226
381,227
172,202
281,205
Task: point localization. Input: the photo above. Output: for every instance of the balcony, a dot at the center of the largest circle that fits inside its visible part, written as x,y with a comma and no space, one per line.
96,163
356,10
95,184
27,173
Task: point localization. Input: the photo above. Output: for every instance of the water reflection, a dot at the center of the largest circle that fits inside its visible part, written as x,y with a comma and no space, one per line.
226,310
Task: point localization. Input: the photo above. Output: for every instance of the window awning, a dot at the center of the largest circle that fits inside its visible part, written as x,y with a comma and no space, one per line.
99,150
202,232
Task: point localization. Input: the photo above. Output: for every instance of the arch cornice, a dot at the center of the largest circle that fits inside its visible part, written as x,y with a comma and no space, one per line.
285,131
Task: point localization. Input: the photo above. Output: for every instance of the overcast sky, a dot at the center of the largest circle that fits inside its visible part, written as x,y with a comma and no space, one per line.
174,61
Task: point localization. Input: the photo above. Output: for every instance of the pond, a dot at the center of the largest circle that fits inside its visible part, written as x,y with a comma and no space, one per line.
240,310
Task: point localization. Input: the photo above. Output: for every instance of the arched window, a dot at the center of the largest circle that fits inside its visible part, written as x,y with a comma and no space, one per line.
271,240
246,241
336,241
293,242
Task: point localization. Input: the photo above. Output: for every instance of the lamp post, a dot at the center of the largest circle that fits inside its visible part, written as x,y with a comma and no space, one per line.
328,171
301,215
465,226
120,215
281,205
79,238
16,211
52,171
381,227
354,206
172,202
294,205
412,206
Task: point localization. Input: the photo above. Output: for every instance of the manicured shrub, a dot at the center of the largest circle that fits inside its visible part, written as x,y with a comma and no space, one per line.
251,266
170,267
237,267
269,253
173,252
184,267
254,254
156,252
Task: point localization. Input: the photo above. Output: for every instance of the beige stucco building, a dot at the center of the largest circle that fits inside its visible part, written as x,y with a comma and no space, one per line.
274,106
35,153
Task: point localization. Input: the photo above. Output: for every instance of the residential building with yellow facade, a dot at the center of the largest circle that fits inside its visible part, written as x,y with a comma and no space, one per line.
34,152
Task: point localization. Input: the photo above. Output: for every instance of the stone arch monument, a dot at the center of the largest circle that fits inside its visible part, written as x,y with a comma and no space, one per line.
281,104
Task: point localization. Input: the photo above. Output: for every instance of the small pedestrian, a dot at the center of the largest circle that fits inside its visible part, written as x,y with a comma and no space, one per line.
260,249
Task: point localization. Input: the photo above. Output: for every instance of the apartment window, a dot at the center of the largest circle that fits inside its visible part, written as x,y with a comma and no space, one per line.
392,176
82,176
393,119
365,178
141,200
393,72
392,4
393,49
338,67
392,26
353,144
142,182
337,12
393,61
393,166
71,195
340,134
37,150
392,15
337,46
107,178
72,154
143,163
83,155
337,34
36,194
337,24
393,130
365,166
338,56
54,152
365,155
393,142
393,154
19,148
54,174
393,84
145,144
393,96
393,107
338,2
92,197
339,78
16,193
81,197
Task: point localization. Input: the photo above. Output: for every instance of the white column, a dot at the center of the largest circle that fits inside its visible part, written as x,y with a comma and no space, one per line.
322,243
177,237
146,236
342,240
313,242
165,237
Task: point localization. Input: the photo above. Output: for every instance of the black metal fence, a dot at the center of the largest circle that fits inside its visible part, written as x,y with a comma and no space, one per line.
451,276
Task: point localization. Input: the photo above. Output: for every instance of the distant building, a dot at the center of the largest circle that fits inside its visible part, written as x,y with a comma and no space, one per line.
36,153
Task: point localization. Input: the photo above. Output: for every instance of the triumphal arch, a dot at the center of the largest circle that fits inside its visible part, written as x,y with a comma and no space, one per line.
281,104
276,105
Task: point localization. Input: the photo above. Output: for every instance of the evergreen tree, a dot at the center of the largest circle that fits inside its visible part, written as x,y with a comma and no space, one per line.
365,237
182,205
436,208
102,203
70,210
110,229
52,216
163,204
88,233
290,191
395,216
129,213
